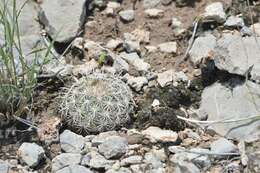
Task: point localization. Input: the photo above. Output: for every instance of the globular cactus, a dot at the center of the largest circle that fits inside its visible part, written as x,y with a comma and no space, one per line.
96,103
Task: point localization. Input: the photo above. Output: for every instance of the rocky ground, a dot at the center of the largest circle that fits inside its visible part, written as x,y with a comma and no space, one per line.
194,72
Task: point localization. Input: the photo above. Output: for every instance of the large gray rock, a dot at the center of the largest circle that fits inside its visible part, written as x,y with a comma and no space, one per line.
113,147
220,102
74,169
63,19
71,142
29,30
31,154
235,54
64,160
202,48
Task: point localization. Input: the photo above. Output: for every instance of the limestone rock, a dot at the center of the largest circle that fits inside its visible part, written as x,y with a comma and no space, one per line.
231,101
71,142
155,134
215,12
31,154
202,48
113,147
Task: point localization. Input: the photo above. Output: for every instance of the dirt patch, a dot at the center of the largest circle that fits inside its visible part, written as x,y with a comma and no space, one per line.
104,28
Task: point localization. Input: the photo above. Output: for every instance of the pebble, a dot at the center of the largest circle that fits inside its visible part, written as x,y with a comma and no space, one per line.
154,13
155,134
113,147
71,142
99,139
222,145
74,169
165,78
137,83
168,47
150,3
127,15
65,159
234,22
114,43
97,161
131,160
136,61
215,12
31,154
131,46
120,170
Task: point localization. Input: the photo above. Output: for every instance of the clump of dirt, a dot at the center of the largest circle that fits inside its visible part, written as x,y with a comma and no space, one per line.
171,99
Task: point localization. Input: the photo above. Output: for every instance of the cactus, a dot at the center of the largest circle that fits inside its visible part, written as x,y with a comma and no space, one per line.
96,103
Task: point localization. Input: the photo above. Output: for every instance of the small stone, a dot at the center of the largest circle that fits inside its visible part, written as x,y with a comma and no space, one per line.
114,43
132,46
150,3
151,49
176,149
113,5
131,160
127,15
74,169
31,154
153,160
136,61
168,47
215,12
137,83
155,134
99,139
176,23
71,142
154,13
202,48
222,145
165,78
65,159
113,147
109,11
97,161
4,167
177,27
234,22
120,170
155,103
187,167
